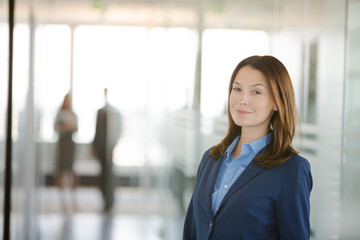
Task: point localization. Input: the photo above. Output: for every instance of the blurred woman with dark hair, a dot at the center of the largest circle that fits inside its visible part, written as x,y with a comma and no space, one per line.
65,125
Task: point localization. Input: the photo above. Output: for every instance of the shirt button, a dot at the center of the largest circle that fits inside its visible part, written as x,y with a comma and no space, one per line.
225,186
210,224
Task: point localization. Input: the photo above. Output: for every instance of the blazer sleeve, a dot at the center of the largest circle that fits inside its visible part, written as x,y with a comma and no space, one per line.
189,232
293,205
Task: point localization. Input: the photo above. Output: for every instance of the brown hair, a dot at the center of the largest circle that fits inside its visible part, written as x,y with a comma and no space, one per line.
283,121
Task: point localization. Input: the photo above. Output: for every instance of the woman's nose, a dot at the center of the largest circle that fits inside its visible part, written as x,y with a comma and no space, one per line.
243,99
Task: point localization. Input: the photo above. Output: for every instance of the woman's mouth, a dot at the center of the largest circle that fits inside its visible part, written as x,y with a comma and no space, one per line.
242,112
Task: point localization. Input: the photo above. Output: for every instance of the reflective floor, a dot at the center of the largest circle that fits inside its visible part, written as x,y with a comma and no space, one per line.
137,215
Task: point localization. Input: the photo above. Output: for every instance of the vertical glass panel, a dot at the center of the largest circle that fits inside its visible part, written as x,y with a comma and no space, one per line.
20,76
322,111
351,155
22,181
4,53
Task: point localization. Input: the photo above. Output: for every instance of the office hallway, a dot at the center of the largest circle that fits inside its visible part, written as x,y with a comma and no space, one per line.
166,67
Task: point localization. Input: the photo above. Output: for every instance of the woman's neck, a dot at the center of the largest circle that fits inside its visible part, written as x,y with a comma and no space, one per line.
249,135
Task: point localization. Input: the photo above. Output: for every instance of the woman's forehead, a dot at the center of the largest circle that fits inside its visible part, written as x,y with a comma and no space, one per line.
250,76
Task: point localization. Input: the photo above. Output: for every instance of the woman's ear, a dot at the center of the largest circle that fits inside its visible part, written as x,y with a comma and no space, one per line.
275,108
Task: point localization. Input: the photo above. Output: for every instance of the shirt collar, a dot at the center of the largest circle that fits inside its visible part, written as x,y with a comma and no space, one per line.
260,143
230,149
256,145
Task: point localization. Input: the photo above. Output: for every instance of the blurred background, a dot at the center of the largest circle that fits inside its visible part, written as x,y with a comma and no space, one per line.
167,65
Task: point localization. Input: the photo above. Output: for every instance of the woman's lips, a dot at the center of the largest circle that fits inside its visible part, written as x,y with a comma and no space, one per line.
242,112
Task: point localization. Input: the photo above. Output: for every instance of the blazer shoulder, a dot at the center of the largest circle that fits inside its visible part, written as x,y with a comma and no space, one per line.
205,160
296,173
298,167
298,161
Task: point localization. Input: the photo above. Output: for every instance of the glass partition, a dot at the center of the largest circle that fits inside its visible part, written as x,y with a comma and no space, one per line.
4,66
350,195
321,110
22,154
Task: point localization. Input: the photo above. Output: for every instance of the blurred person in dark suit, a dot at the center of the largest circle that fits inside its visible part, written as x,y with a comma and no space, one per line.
107,132
66,124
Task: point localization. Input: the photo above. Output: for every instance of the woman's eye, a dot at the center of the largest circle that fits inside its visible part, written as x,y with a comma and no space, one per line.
236,89
256,92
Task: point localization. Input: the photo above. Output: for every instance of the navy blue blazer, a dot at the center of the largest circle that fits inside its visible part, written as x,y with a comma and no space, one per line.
261,204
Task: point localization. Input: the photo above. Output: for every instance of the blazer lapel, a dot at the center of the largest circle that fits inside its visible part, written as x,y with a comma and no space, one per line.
209,187
251,171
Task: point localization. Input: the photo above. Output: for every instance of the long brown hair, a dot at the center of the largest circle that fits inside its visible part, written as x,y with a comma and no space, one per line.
283,122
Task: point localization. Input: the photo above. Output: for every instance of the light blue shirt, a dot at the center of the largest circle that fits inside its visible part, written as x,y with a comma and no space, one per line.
231,169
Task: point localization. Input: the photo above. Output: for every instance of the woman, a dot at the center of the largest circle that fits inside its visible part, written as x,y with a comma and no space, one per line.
65,125
253,184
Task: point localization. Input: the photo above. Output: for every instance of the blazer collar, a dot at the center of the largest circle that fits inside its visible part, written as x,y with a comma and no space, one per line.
250,172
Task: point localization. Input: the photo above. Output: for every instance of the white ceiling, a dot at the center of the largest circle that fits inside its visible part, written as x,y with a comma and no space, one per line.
244,14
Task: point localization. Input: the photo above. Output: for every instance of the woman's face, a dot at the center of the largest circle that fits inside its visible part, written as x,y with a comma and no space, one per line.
251,101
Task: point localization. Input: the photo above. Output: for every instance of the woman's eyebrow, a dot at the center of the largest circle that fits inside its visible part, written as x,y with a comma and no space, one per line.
258,84
253,85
